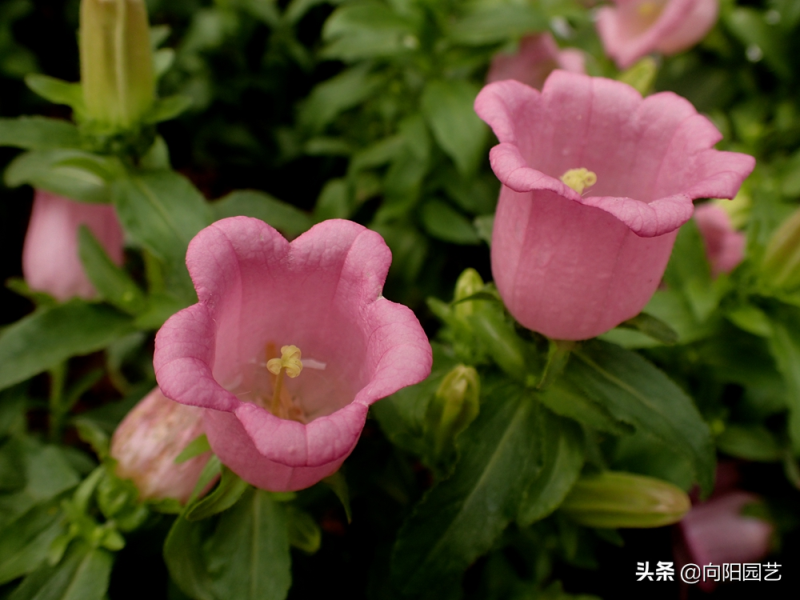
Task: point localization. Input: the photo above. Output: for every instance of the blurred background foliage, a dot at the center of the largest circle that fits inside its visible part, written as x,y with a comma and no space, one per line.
363,110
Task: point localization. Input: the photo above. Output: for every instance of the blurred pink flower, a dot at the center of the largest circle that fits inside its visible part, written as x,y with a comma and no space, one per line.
50,261
724,245
717,532
321,294
537,57
569,265
149,439
634,28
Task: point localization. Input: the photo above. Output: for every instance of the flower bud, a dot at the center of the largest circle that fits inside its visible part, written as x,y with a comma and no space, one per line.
454,407
625,500
116,62
781,263
717,532
724,245
50,260
468,283
149,439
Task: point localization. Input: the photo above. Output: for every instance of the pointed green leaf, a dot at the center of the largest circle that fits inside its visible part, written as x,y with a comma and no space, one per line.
785,347
444,222
38,133
459,519
248,557
51,335
225,495
636,392
83,574
25,543
447,107
58,91
47,170
562,461
112,282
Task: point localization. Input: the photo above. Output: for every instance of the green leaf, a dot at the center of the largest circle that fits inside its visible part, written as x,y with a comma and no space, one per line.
196,447
367,30
225,495
444,222
652,327
83,574
183,554
447,107
51,335
162,211
459,519
249,203
565,399
635,392
337,94
785,347
248,557
112,282
689,270
304,533
25,543
58,91
562,457
167,108
497,23
750,442
48,170
38,133
338,484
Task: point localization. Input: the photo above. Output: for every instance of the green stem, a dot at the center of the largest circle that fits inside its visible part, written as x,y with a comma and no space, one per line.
58,376
557,357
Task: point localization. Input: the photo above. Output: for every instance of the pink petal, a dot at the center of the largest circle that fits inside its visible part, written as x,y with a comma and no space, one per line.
50,261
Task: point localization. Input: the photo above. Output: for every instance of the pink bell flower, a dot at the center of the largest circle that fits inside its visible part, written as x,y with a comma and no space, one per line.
724,245
50,261
596,182
634,28
537,57
288,346
717,532
150,438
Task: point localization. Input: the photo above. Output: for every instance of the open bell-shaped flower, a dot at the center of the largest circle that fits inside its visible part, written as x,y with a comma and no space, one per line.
634,28
50,261
288,346
596,182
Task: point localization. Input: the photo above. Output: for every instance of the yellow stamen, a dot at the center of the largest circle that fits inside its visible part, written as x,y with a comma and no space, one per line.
579,179
649,9
288,363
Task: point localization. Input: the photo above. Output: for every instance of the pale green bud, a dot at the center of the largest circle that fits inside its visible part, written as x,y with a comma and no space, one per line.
781,263
116,62
468,283
454,407
613,499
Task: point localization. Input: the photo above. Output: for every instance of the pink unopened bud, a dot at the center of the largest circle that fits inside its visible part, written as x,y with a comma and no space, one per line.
147,442
536,58
50,261
717,532
724,245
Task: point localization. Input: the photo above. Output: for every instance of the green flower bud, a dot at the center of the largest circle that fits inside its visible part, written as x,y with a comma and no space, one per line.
454,407
116,62
781,263
625,500
468,283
